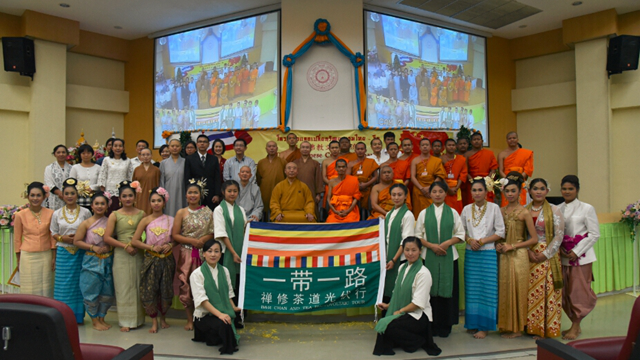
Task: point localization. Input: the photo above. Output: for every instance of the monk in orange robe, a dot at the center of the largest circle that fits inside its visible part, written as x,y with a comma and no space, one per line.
233,83
425,169
343,196
244,83
434,94
467,90
380,197
515,159
253,77
213,100
238,88
456,168
293,152
480,163
329,167
399,166
345,149
365,170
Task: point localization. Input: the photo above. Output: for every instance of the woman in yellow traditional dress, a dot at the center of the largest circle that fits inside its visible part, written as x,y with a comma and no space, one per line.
513,263
545,279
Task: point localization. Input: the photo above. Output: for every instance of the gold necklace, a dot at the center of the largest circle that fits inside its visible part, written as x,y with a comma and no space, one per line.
474,214
75,214
37,215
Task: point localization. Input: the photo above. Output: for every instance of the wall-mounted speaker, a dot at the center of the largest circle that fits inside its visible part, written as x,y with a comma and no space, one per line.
623,54
19,55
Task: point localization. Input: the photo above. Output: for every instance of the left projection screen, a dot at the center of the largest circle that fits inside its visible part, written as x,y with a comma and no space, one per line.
219,77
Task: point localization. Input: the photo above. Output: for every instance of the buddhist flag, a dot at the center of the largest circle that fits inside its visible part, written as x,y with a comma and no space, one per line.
291,268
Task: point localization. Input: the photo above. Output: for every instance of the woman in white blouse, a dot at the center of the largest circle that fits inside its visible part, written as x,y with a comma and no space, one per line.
115,169
408,320
54,175
213,299
439,228
484,225
86,171
581,231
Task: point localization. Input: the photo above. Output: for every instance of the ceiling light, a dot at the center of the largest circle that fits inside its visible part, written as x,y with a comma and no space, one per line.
118,27
64,5
522,26
576,3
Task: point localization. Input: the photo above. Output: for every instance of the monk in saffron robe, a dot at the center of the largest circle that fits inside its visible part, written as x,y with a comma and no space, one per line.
365,170
456,168
293,152
224,95
434,94
399,166
253,77
480,163
380,197
515,159
244,83
233,82
213,100
291,200
329,167
343,196
425,169
345,150
270,172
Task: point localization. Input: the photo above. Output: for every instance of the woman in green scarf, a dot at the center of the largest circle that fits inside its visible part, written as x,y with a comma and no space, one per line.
229,220
439,228
399,224
213,299
408,320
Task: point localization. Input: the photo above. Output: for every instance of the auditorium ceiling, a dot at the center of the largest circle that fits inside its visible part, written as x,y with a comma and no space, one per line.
131,19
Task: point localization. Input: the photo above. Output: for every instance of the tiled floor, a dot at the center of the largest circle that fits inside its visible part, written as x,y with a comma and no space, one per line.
348,340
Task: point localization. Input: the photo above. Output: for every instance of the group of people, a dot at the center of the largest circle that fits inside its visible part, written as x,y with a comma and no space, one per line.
522,263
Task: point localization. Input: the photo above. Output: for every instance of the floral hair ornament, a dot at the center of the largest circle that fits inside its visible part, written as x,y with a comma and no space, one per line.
25,193
136,186
164,193
108,196
202,184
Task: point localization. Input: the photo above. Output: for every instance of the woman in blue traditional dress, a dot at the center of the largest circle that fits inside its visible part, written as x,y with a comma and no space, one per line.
64,223
96,277
484,225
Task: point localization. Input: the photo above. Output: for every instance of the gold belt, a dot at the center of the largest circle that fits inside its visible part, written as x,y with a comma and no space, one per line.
71,249
158,255
101,256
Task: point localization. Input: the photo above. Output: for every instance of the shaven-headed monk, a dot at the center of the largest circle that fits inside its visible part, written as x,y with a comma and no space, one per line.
291,200
343,195
345,149
310,171
480,163
399,166
515,159
380,197
329,167
425,169
293,152
270,171
365,170
456,168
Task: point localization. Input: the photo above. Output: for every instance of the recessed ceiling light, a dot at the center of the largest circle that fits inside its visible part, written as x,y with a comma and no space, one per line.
576,3
64,5
118,27
522,26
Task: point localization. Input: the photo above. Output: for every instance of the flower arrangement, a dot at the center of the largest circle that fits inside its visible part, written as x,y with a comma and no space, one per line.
74,158
8,214
631,217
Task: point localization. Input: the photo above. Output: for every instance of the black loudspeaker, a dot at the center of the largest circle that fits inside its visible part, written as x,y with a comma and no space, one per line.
19,55
623,54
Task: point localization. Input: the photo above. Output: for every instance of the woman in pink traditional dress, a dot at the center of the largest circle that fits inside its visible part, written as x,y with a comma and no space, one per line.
545,279
158,267
193,226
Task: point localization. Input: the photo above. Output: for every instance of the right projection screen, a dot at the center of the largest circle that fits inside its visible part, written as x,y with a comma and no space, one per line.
423,76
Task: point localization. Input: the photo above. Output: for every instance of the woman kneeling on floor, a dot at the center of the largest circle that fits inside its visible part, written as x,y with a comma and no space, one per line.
408,320
212,296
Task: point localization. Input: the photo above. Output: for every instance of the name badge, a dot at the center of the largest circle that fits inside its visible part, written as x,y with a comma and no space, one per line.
450,176
425,173
359,172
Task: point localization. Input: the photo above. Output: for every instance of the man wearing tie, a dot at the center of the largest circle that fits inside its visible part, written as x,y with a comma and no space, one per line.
202,165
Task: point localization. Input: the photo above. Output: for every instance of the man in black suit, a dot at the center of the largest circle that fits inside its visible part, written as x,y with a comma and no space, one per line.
201,165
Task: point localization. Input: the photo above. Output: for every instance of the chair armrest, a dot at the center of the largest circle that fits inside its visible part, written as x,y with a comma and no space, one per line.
549,349
137,352
99,352
604,348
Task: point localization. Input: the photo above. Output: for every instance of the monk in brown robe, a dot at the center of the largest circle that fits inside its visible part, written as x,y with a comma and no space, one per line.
399,166
233,83
365,170
310,171
270,171
456,168
291,200
293,152
425,169
480,163
514,158
343,196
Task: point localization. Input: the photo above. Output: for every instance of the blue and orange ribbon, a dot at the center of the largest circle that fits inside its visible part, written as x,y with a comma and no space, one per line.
322,34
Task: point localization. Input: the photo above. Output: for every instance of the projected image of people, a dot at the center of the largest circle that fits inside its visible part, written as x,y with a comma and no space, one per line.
218,77
422,76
